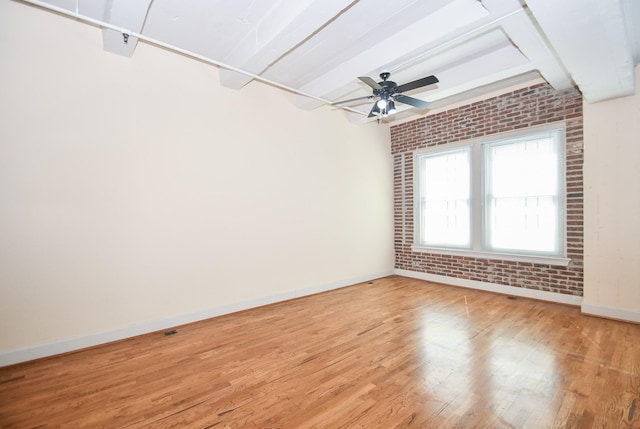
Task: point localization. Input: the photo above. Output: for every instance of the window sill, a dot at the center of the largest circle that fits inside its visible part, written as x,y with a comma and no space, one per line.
546,260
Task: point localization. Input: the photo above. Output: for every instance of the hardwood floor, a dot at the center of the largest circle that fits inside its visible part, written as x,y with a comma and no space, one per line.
392,354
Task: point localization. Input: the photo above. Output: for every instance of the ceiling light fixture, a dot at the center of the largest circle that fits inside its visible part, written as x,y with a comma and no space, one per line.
391,107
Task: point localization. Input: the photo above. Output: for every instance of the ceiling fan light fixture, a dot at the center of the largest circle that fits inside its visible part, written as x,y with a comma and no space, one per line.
391,107
381,104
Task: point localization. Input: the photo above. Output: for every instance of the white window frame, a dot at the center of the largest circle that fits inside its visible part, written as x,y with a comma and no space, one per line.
477,249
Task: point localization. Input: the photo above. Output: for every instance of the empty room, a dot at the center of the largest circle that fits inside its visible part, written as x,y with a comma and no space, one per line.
320,214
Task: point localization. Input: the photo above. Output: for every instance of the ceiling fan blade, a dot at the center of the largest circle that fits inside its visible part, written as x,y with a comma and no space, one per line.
412,101
352,99
372,83
429,80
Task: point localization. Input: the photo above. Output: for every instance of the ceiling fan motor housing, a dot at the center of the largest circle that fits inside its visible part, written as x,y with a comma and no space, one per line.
388,87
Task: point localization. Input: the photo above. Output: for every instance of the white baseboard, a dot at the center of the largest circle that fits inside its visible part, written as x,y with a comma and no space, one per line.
594,310
71,344
492,287
611,313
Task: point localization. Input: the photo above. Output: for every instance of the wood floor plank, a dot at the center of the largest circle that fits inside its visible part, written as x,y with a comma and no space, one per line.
397,353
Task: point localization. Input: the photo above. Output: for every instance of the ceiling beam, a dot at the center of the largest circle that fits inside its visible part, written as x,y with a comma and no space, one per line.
524,34
590,38
278,33
128,14
631,11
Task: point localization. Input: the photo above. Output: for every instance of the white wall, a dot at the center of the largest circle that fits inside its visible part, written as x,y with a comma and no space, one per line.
612,207
138,190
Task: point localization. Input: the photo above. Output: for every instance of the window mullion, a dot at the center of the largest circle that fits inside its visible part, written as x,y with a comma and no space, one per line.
477,198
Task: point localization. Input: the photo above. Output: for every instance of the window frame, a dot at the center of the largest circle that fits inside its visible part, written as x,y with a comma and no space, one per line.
477,228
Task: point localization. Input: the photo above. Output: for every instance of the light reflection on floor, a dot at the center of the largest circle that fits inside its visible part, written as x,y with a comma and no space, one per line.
496,365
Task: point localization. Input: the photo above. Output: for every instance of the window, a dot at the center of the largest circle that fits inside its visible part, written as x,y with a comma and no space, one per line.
445,199
502,196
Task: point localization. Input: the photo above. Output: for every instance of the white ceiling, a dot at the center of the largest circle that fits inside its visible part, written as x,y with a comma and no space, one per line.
319,48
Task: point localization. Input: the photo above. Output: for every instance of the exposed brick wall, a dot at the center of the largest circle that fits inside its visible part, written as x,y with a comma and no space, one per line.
536,105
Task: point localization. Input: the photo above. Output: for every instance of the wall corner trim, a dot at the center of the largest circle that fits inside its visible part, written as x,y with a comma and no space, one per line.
492,287
73,344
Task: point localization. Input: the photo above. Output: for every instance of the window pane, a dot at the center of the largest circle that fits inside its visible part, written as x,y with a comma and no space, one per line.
522,196
444,199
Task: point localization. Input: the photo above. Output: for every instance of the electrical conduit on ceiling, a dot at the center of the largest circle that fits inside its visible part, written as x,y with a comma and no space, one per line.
126,34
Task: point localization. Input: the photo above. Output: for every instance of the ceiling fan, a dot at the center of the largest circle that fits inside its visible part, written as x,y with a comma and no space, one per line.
388,92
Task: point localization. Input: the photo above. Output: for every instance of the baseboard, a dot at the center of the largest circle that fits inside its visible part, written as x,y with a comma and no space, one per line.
72,344
492,287
611,313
